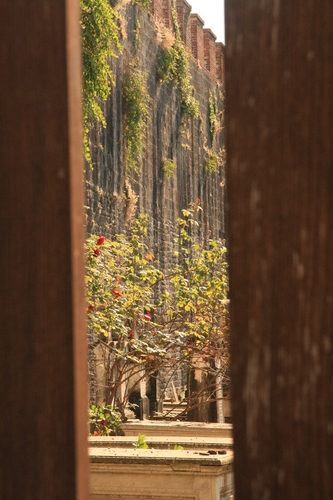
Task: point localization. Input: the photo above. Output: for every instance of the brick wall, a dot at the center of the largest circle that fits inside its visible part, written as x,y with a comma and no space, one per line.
197,38
220,58
184,22
210,52
161,198
200,42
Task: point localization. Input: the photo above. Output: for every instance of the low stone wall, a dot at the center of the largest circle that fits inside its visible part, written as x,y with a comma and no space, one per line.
159,474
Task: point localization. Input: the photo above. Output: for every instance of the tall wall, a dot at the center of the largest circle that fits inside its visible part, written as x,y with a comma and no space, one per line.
161,198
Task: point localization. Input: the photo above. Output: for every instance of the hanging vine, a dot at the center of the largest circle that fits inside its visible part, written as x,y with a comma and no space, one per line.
173,65
136,109
215,125
100,42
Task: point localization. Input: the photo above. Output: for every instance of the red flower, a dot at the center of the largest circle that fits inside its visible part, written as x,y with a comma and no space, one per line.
131,334
100,240
117,293
91,308
147,316
96,251
151,357
97,433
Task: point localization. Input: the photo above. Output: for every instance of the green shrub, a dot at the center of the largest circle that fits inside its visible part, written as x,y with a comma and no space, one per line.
105,419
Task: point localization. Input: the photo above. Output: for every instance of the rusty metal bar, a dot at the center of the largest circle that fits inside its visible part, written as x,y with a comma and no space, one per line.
279,83
43,391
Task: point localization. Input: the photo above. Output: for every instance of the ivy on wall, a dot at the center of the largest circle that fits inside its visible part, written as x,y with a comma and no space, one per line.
100,41
215,125
136,108
144,4
173,65
215,160
169,167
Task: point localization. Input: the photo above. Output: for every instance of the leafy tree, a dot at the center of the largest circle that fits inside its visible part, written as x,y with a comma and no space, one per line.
141,329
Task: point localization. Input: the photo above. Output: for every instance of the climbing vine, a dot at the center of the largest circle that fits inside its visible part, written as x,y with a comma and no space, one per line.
100,41
215,125
215,160
173,65
136,108
144,4
169,167
137,42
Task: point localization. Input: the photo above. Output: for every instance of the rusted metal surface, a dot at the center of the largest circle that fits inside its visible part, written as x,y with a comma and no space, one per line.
43,392
280,184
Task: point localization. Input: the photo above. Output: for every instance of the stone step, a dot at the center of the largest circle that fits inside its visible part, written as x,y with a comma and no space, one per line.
162,442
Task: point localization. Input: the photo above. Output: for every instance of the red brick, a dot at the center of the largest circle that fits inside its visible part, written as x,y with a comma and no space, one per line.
197,39
210,52
220,57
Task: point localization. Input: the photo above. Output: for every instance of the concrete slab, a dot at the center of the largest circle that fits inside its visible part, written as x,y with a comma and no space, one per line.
128,474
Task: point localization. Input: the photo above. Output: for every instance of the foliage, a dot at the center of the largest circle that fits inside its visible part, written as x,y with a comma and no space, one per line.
169,167
215,160
104,419
214,117
145,320
141,444
212,162
173,65
137,42
99,37
136,108
119,281
178,447
144,4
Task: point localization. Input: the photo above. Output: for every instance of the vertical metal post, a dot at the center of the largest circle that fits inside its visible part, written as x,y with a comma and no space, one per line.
43,391
279,81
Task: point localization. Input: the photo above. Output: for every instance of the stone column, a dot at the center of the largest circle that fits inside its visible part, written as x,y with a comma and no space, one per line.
219,394
197,38
144,401
210,52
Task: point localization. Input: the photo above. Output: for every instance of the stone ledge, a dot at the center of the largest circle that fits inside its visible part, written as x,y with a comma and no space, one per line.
175,458
162,442
119,474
